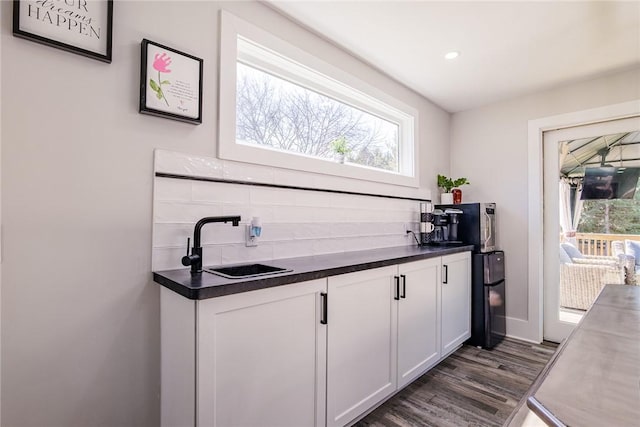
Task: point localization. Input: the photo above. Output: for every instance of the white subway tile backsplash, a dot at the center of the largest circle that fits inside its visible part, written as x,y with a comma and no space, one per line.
185,164
272,196
359,215
292,249
168,211
173,211
295,222
221,233
212,255
248,172
294,178
338,200
372,229
274,232
401,240
393,228
311,231
327,214
172,189
406,204
361,243
237,254
327,246
290,214
409,205
247,212
216,192
354,185
171,235
373,203
167,258
345,229
387,216
312,198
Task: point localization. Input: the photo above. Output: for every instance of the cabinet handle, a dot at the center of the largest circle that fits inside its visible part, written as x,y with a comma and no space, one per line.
323,303
445,269
404,286
396,294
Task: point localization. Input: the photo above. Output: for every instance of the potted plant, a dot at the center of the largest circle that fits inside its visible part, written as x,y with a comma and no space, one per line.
446,185
340,147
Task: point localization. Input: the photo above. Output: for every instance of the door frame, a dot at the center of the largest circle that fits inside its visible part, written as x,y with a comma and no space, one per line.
533,329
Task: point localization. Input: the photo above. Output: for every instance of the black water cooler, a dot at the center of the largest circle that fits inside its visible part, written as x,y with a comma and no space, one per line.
488,323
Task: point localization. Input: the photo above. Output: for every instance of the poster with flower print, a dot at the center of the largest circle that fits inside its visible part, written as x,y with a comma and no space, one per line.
170,83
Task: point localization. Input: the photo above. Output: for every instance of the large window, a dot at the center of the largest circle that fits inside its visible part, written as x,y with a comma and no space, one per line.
281,106
275,113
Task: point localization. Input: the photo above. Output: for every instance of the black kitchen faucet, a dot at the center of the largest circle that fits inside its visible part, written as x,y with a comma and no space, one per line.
195,259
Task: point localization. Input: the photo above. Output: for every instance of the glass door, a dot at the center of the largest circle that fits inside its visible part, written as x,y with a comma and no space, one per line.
573,276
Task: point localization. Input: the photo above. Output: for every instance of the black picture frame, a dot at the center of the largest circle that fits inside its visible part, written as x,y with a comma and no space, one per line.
60,25
187,107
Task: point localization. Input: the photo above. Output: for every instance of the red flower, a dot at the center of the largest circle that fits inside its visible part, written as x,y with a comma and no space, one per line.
161,62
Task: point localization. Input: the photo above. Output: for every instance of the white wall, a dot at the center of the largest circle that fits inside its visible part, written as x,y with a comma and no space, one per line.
489,146
80,314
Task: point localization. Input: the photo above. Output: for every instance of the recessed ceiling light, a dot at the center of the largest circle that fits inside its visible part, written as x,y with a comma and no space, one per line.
452,55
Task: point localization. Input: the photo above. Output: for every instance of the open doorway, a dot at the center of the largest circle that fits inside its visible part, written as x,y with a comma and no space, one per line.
591,217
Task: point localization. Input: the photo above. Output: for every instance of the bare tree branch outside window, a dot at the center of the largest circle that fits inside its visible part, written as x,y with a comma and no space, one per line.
279,114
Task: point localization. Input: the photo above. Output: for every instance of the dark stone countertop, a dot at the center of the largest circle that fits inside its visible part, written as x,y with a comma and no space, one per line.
207,285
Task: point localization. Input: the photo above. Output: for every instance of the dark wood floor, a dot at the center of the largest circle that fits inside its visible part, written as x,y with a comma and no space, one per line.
472,387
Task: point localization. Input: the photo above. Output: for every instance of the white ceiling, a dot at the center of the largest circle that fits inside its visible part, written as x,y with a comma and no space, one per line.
507,49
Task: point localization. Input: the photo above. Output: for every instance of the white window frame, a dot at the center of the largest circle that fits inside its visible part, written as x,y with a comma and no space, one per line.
319,76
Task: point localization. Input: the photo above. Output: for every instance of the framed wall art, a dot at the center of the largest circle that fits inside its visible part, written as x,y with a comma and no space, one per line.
170,83
79,26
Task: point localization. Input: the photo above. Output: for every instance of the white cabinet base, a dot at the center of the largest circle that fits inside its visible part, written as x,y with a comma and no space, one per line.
418,319
256,359
177,359
455,301
361,361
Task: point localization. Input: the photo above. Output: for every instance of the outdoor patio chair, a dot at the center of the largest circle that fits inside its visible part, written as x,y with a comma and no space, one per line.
578,257
583,276
580,284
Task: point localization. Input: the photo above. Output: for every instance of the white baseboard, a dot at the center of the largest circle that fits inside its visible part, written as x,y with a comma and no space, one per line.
522,330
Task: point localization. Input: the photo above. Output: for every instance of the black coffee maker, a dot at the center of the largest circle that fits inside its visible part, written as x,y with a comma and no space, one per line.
454,220
440,230
445,223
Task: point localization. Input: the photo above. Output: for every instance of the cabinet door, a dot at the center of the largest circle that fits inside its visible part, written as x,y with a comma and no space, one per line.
418,327
456,301
361,344
261,358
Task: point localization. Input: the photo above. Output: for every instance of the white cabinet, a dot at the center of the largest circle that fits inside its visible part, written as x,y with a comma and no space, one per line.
266,358
259,359
361,347
418,318
455,301
383,332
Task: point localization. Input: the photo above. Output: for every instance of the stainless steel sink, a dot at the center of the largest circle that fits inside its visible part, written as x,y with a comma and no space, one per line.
246,270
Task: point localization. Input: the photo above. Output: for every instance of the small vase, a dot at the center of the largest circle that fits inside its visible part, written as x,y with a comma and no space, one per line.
446,198
457,196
